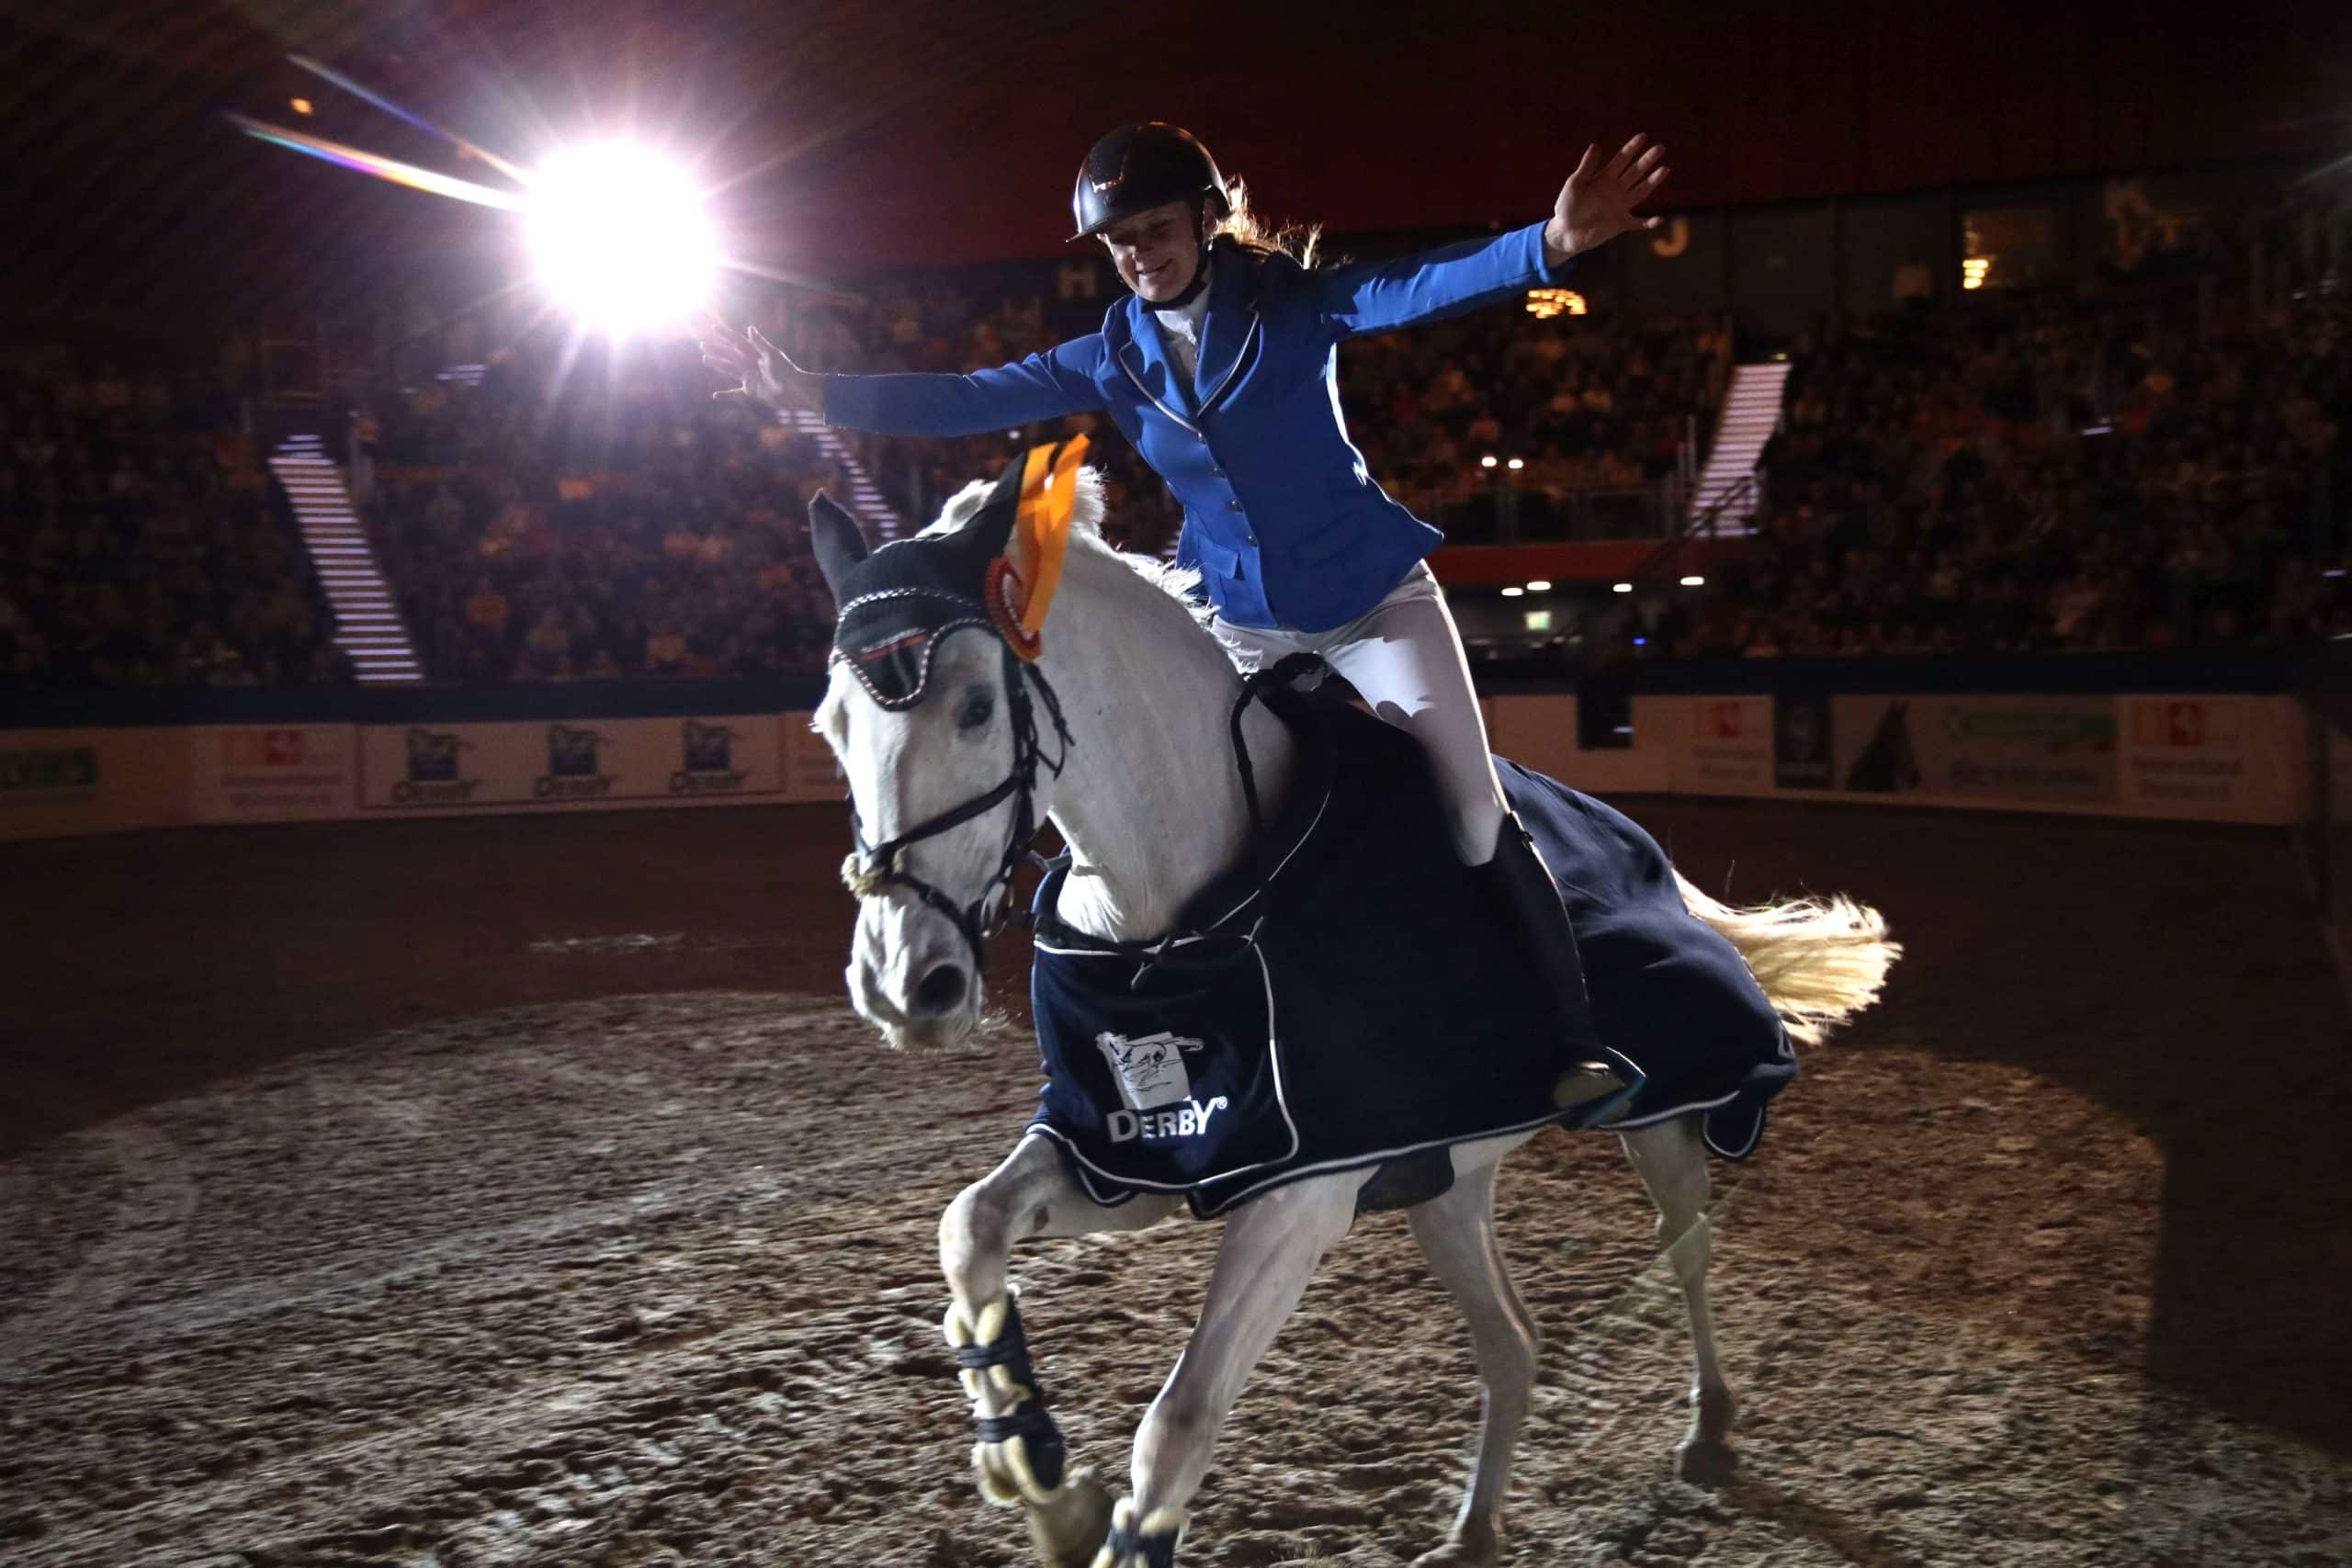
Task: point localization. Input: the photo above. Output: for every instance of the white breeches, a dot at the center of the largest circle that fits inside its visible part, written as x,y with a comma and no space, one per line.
1404,657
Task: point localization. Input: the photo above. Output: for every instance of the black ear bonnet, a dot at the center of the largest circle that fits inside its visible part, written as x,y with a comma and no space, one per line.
900,602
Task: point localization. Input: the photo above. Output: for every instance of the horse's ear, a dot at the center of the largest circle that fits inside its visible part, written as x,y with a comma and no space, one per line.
840,546
992,527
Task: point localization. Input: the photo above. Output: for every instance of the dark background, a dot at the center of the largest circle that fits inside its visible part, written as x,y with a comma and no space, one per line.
852,134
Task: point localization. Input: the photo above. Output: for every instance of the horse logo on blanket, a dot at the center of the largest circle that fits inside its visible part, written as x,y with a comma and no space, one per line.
1151,1068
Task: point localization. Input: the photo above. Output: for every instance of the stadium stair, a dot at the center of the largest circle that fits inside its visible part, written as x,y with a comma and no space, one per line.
882,521
368,623
1751,413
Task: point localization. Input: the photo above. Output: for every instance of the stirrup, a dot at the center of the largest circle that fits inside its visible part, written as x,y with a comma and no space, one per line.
1020,1457
1584,1082
1150,1544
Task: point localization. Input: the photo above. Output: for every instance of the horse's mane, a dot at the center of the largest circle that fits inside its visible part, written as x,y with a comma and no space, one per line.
1179,582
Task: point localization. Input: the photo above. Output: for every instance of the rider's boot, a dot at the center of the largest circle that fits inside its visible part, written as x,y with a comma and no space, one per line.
1517,878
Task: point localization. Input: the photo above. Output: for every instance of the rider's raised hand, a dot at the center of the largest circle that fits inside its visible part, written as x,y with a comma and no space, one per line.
1597,204
759,370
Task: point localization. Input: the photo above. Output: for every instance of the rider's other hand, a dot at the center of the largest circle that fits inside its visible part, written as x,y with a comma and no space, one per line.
761,371
1597,204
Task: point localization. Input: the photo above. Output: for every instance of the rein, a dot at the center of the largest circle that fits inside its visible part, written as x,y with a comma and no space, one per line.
1205,948
872,868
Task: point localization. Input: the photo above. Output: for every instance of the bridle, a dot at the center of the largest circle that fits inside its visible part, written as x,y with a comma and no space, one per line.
896,609
872,868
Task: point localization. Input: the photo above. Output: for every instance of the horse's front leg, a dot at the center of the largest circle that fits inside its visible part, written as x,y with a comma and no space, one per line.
1268,1253
1019,1460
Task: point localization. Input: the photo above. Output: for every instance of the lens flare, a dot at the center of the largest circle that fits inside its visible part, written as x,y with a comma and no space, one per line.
375,163
618,236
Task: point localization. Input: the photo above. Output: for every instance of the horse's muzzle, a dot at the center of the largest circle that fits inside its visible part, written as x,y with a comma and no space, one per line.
938,1013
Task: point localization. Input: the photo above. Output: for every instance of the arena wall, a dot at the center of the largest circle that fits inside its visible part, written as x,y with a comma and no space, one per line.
2244,757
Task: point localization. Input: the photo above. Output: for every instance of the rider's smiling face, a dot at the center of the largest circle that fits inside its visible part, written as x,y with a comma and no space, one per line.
1157,251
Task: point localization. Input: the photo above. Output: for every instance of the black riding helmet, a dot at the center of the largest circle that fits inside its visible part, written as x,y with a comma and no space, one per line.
1137,168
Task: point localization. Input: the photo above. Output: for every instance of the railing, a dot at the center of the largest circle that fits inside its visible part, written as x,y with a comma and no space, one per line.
1704,524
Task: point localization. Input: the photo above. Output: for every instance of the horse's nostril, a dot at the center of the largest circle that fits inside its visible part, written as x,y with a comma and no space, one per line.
940,992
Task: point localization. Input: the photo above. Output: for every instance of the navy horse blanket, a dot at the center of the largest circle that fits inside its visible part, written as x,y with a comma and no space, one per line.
1349,995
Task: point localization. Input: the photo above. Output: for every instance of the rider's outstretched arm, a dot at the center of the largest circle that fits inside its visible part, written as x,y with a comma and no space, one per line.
1044,385
1595,206
1429,286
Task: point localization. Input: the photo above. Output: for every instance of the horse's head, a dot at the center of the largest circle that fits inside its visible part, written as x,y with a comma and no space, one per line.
952,745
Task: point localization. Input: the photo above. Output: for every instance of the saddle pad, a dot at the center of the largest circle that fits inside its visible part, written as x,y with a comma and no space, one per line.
1347,998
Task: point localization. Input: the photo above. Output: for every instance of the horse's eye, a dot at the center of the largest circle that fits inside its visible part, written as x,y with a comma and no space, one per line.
978,707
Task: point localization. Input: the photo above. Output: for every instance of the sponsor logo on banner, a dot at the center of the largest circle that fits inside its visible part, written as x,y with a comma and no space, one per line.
269,772
2050,749
1887,764
2023,749
571,766
1719,720
2187,750
709,766
39,775
2188,725
1731,742
1801,743
436,771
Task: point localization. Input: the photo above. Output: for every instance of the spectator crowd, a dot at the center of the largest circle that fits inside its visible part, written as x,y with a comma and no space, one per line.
568,520
2050,471
142,542
2094,466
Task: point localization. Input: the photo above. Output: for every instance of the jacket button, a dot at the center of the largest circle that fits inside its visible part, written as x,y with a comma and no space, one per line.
1216,473
1235,504
1250,540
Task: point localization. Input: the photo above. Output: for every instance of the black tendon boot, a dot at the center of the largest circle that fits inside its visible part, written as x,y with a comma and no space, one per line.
1522,886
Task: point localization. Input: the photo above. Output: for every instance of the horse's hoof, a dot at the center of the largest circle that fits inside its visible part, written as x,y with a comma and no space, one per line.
1704,1461
1071,1526
1472,1547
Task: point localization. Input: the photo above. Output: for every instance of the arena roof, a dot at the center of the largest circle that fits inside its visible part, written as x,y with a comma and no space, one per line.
854,133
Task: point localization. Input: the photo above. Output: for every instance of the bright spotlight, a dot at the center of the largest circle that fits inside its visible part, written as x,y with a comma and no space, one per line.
619,237
1694,583
1513,592
1488,461
1621,588
1515,464
1541,585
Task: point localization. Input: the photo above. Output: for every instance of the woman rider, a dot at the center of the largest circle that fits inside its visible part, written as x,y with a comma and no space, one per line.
1220,368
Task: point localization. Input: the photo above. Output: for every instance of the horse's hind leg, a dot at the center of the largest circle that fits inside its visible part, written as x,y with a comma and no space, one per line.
1672,1161
1019,1460
1456,1233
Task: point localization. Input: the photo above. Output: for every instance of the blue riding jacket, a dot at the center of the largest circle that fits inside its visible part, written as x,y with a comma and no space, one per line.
1280,516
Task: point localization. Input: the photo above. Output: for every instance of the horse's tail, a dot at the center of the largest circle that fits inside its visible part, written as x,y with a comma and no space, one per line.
1820,961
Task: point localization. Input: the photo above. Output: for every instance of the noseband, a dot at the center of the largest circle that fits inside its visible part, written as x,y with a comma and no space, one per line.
873,868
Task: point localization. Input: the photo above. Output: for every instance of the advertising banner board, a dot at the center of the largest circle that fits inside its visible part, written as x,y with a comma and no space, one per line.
1726,745
273,773
1998,749
57,783
569,764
